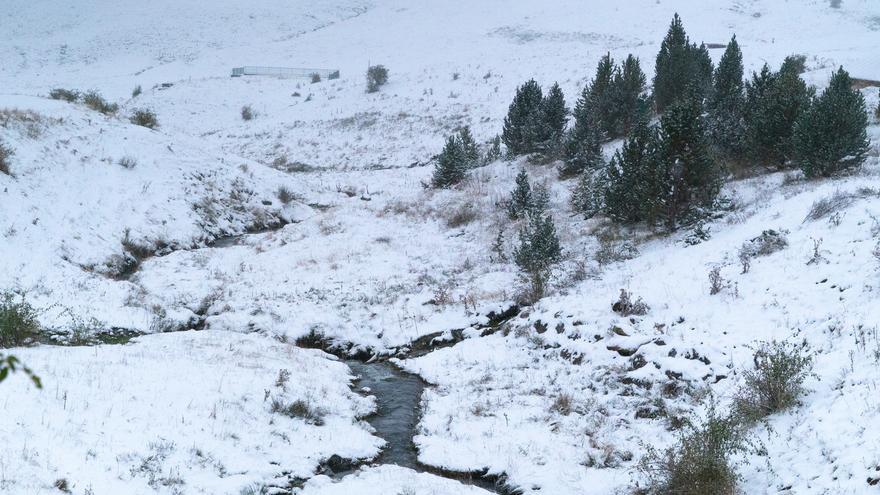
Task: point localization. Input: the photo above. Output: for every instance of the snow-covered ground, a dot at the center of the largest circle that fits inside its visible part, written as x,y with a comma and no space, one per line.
372,258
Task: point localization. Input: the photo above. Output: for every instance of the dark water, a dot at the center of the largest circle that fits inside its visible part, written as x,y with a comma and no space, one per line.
398,396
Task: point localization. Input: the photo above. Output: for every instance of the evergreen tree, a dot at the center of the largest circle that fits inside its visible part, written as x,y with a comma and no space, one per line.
493,151
774,103
540,200
726,105
523,118
554,115
687,169
629,96
831,136
452,165
633,190
681,67
521,198
587,197
469,147
537,252
583,147
602,93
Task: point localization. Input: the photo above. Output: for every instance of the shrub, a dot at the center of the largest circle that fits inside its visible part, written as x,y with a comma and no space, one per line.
333,75
765,244
247,113
136,91
67,95
775,382
537,253
96,102
299,409
462,215
284,194
377,76
127,162
316,78
18,321
699,463
625,306
5,154
145,118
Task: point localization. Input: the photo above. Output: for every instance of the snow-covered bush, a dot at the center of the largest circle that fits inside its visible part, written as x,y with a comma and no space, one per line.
136,91
626,306
145,118
699,463
537,253
285,195
5,154
377,76
299,409
18,320
68,95
776,381
247,113
765,244
96,102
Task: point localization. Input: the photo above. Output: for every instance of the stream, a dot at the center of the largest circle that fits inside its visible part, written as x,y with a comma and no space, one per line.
398,396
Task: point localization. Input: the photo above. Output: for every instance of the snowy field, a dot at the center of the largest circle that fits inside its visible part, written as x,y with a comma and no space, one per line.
107,221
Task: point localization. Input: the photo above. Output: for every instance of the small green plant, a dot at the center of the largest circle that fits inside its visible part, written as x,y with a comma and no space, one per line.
18,320
775,382
145,118
377,76
537,253
699,462
67,95
136,91
96,102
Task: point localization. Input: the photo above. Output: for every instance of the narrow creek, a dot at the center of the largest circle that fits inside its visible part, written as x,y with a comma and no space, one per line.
398,396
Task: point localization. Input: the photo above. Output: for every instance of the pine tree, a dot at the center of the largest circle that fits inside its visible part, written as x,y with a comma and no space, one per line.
540,200
583,147
451,165
493,151
831,136
629,96
523,119
681,67
588,195
602,93
774,103
555,116
537,252
633,191
726,106
691,177
521,198
469,147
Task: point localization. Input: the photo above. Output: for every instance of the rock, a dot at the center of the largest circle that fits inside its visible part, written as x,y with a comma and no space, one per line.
540,326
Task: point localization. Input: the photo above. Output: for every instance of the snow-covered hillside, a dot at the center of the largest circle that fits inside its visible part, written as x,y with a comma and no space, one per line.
104,219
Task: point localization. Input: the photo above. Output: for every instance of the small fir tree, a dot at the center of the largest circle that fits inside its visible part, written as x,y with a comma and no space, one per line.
583,147
537,253
521,198
523,118
554,115
493,150
469,147
633,191
629,97
832,135
682,68
452,165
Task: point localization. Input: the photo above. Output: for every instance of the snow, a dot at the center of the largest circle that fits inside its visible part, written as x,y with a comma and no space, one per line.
370,258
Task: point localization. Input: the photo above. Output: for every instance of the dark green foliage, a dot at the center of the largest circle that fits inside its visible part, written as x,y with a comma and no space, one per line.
775,382
635,190
96,102
493,151
554,117
6,154
583,147
144,118
136,91
521,134
469,147
452,164
537,252
726,106
699,463
377,76
602,95
692,177
18,321
11,364
67,95
629,96
682,68
831,136
774,102
521,198
587,197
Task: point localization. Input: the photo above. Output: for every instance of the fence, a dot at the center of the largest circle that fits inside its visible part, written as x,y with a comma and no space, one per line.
284,72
